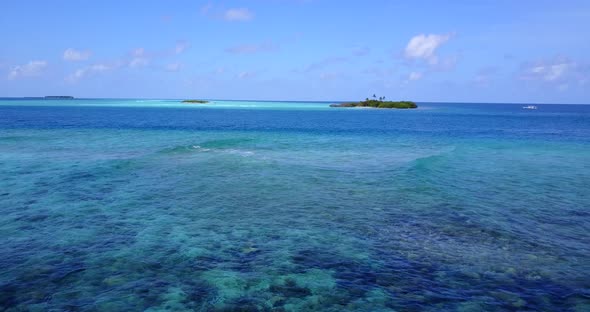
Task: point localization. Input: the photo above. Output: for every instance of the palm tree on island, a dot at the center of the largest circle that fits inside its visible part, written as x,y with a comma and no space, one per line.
378,103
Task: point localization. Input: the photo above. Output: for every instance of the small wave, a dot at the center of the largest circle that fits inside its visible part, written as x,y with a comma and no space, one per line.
193,148
183,149
197,147
224,143
429,161
240,152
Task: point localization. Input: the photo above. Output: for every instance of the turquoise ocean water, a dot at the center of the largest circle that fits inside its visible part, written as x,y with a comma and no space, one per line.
155,205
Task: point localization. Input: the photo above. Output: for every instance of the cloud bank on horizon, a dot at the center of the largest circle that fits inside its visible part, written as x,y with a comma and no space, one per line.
525,51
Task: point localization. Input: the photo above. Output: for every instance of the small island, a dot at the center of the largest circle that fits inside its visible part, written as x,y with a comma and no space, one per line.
378,103
59,97
195,101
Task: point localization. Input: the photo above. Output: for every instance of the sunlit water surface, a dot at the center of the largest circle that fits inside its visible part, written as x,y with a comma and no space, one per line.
132,205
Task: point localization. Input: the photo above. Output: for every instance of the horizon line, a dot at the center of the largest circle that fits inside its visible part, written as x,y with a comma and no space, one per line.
257,100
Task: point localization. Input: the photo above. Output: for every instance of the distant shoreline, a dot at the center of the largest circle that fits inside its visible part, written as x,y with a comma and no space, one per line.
13,98
49,97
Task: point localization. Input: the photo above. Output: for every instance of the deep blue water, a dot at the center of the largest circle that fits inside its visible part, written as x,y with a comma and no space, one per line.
133,205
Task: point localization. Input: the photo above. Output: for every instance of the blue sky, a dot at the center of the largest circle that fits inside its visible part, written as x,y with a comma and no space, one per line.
465,51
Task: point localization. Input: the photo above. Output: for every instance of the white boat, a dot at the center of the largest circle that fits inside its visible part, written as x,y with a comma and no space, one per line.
529,107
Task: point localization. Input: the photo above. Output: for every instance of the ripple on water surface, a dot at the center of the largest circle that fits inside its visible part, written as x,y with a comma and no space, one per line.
173,220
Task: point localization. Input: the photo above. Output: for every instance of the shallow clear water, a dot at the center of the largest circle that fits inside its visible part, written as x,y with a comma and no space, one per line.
131,205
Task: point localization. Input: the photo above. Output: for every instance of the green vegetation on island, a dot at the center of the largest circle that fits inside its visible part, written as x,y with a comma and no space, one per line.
59,97
378,103
195,101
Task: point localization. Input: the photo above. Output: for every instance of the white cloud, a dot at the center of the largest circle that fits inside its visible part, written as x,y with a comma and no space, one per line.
31,69
557,70
238,15
138,62
76,55
86,71
230,15
550,72
173,67
413,76
139,52
180,47
100,67
139,58
78,74
423,47
246,75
